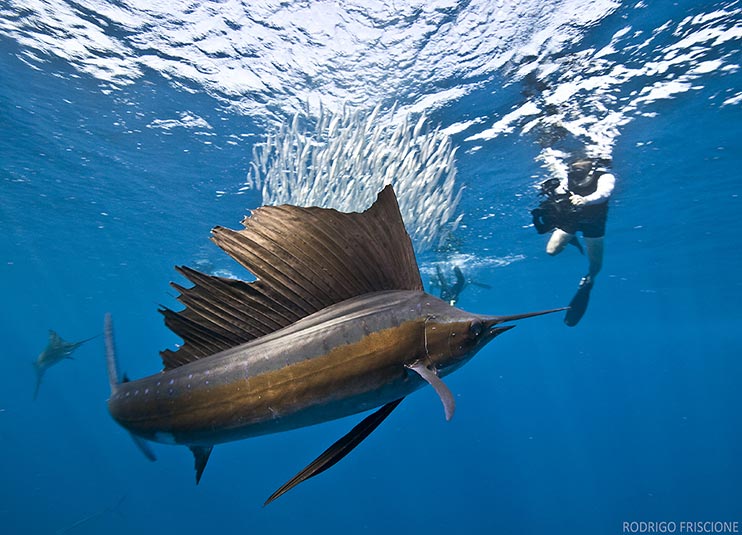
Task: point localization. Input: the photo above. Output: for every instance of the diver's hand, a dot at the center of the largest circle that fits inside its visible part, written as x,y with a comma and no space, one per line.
577,200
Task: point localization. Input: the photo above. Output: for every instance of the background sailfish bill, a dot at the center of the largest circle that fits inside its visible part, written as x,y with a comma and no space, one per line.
337,323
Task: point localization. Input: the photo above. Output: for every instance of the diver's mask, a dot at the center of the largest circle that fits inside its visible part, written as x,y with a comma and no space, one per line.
580,173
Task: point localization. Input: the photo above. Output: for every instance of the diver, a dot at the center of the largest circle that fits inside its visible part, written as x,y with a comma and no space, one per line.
578,203
451,292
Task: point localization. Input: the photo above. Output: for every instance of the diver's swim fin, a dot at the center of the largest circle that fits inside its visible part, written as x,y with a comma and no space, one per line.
578,305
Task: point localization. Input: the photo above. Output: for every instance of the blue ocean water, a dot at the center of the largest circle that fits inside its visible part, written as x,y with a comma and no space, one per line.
122,145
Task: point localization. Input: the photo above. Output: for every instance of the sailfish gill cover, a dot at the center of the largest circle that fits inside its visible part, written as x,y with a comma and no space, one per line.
130,129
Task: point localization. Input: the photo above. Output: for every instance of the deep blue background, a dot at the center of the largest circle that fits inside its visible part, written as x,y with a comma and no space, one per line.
633,415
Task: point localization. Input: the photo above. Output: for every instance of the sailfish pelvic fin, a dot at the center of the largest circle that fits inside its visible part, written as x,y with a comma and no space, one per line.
338,450
201,457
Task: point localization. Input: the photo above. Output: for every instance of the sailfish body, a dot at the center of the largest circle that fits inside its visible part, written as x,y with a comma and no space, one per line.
336,324
56,351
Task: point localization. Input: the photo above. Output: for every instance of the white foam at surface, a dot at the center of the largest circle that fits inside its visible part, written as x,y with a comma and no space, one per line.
731,101
187,120
581,88
505,125
259,56
456,128
706,67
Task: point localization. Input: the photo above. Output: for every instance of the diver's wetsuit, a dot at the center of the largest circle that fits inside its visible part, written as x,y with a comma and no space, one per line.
591,217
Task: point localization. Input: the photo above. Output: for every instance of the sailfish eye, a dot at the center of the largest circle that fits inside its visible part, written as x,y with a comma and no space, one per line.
475,329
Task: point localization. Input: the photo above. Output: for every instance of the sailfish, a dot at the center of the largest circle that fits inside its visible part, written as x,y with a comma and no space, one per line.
337,323
56,351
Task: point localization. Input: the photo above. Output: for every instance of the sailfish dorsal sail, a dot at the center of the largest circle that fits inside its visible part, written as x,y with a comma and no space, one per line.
305,259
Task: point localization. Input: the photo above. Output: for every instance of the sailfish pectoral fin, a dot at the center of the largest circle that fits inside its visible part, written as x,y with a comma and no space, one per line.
338,450
449,404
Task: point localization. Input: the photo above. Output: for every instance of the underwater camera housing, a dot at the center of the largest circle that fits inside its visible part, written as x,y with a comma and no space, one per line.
553,209
548,187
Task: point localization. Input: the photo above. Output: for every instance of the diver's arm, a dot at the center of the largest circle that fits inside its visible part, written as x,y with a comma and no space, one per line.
606,184
604,189
562,188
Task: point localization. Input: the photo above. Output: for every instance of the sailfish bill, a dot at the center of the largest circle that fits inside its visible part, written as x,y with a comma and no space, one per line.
337,323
